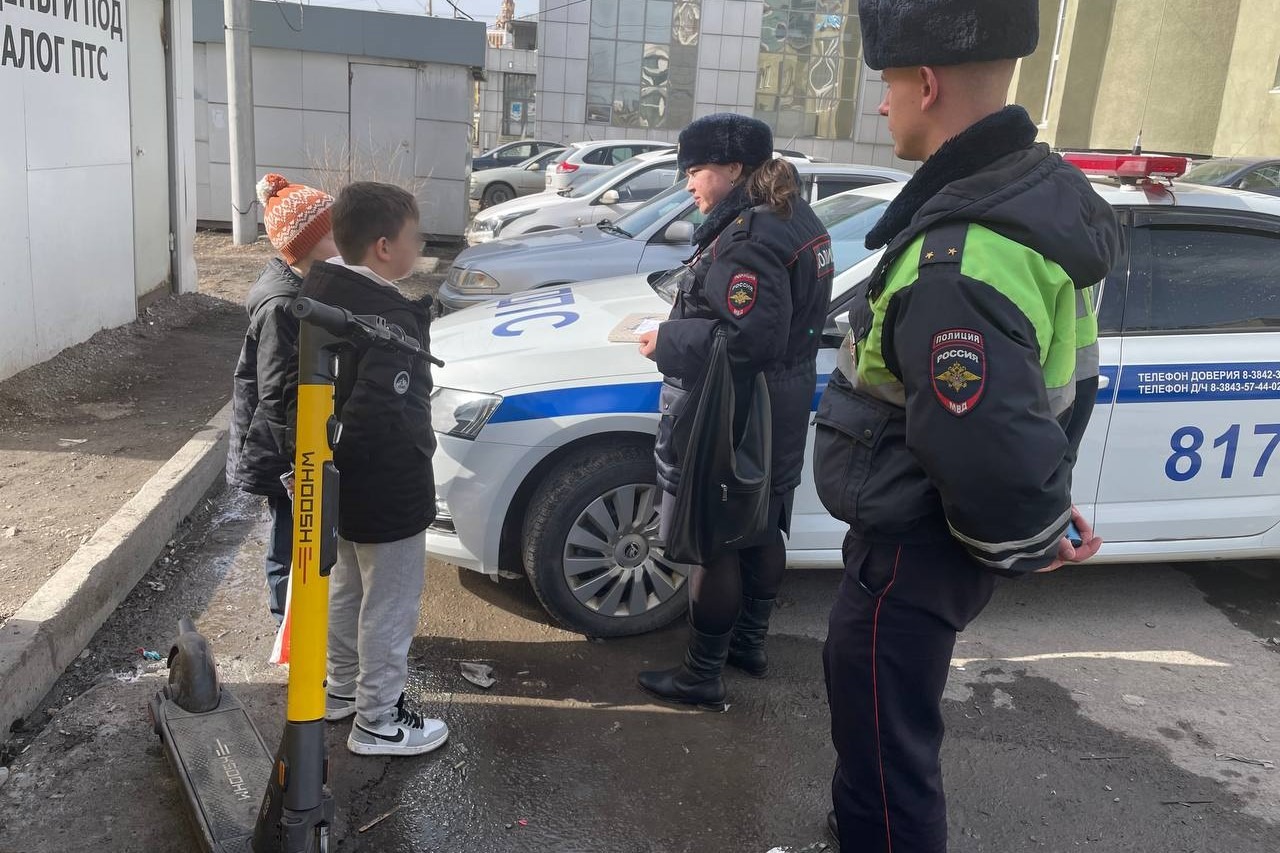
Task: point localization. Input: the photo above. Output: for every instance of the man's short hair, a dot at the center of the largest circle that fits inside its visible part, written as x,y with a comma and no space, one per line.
367,211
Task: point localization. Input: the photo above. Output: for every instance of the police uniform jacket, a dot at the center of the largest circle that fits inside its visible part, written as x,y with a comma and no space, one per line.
953,409
767,281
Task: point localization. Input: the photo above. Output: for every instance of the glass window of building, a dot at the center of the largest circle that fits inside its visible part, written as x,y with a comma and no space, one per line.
810,57
642,62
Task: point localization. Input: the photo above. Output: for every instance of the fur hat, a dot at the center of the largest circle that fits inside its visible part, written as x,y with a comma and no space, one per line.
724,138
906,33
296,216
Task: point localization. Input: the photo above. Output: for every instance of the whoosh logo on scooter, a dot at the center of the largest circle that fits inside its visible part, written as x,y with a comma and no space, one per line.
307,498
229,766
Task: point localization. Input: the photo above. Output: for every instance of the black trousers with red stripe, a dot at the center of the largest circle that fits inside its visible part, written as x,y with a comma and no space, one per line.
888,651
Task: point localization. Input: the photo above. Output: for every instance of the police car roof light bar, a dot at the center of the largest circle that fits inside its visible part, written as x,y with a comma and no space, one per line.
1128,167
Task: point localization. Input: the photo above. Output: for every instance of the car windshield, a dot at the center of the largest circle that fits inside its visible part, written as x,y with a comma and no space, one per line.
543,158
660,206
848,218
601,180
1211,173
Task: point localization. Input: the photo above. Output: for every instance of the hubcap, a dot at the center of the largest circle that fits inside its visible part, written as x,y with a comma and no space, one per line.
613,562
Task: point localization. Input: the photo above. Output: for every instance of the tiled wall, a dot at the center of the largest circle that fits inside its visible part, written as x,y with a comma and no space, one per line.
728,59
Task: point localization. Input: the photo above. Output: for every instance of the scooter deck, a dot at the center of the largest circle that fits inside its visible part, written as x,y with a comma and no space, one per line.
223,765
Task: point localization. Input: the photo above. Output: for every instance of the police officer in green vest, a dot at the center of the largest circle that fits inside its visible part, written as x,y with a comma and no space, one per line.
946,436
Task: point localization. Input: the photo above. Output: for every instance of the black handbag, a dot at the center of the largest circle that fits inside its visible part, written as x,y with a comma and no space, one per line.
725,482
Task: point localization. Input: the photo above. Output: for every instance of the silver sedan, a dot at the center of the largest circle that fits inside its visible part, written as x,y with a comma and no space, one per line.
494,186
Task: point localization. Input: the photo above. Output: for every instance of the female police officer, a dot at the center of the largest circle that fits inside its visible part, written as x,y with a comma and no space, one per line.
762,273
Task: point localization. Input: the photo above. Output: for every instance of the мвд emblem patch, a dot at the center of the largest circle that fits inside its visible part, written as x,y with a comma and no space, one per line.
959,369
741,296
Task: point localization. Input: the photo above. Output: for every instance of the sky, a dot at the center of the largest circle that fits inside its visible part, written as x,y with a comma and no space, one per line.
481,10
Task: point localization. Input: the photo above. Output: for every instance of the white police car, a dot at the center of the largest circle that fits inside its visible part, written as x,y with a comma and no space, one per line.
546,427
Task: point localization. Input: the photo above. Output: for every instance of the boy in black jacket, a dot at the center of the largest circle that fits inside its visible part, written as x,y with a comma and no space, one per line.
265,387
387,491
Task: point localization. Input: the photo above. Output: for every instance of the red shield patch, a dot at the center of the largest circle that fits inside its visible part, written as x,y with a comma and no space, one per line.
741,296
958,363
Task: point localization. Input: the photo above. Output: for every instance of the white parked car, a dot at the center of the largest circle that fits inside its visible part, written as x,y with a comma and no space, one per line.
546,427
584,160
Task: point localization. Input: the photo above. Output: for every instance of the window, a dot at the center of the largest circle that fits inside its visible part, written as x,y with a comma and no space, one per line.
597,157
621,154
1262,179
828,187
517,96
1110,310
659,208
1275,89
523,151
642,61
647,184
1208,279
808,68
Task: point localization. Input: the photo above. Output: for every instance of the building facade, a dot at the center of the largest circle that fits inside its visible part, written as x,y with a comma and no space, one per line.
646,68
348,95
506,97
1199,77
98,173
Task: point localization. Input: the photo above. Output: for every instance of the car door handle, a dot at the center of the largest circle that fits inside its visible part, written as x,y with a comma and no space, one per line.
1104,381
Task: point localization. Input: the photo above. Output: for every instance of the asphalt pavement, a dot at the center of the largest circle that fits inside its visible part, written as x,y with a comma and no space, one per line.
1115,708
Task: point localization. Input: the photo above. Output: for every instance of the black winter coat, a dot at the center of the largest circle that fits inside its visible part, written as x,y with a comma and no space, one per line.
767,280
265,386
387,490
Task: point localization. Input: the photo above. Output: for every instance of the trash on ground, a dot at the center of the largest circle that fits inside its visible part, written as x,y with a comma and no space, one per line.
149,654
1256,762
1136,701
1187,803
156,586
523,821
377,820
69,442
479,674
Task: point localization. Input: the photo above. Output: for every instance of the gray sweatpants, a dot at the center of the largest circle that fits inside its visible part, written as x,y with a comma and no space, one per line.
374,597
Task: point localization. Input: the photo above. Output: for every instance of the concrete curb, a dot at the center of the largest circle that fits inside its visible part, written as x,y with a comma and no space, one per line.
39,641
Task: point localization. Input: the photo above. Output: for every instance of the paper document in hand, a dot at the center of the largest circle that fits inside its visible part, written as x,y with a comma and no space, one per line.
635,325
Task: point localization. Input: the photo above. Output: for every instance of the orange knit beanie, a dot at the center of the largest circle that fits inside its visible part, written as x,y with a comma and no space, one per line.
296,216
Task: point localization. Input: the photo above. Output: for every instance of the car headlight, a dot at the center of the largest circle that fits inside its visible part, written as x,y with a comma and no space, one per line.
461,413
506,219
471,281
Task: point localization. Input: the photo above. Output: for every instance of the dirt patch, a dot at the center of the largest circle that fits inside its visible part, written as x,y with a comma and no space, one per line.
81,433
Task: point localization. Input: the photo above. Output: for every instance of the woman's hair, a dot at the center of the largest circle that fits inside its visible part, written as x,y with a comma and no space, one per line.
775,183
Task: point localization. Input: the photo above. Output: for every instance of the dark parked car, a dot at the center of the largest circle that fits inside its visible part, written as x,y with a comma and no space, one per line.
511,153
1242,173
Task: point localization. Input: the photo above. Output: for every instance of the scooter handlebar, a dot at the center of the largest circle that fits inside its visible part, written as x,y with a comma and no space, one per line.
374,330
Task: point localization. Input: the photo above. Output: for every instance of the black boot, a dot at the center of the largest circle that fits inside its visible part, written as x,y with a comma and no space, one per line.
697,681
833,828
746,649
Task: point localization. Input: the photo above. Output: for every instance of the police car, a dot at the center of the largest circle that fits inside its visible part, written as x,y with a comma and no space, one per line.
546,426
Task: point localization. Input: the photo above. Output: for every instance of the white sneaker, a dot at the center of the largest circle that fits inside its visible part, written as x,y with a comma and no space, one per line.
406,733
338,707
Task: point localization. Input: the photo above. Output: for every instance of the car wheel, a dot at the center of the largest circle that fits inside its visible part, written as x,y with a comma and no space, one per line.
497,194
591,550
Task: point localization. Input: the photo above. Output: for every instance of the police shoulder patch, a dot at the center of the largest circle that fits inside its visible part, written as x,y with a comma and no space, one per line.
958,362
741,296
401,382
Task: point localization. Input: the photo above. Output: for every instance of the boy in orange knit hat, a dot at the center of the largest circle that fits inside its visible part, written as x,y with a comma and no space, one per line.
265,390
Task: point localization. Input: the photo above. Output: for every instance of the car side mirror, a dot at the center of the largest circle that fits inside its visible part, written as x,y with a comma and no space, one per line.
833,337
679,233
610,197
535,167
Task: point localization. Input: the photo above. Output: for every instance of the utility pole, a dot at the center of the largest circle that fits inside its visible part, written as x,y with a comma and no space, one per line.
244,219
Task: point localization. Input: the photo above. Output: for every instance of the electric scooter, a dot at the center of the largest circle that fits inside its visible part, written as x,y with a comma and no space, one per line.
211,742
